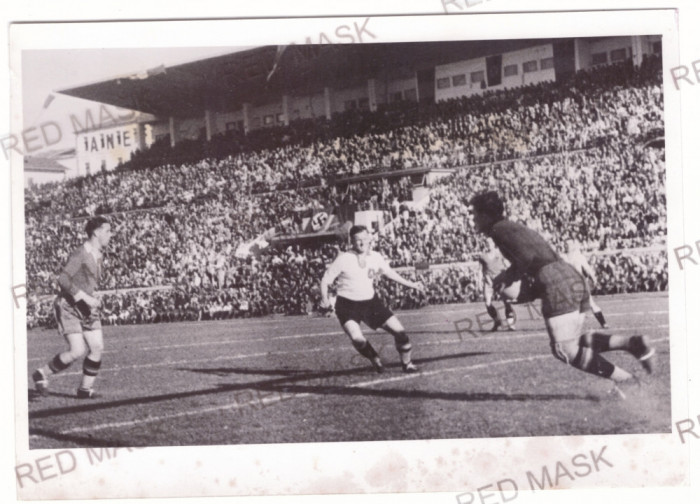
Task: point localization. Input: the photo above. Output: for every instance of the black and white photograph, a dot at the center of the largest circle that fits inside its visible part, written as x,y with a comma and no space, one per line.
346,238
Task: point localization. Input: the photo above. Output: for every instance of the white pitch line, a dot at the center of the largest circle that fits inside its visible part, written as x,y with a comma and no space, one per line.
117,369
466,308
498,336
331,333
368,383
237,405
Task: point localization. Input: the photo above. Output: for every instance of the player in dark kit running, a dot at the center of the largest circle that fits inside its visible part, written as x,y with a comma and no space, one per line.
77,311
358,302
564,294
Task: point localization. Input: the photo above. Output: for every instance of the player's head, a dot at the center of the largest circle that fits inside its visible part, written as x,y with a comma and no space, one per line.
487,209
360,239
99,228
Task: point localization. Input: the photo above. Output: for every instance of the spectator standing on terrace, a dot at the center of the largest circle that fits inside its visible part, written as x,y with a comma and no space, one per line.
358,302
564,294
77,311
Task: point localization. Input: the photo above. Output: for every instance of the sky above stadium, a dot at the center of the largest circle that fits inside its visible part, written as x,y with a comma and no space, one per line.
45,72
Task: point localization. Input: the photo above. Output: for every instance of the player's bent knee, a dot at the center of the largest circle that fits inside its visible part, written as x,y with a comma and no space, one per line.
60,362
96,349
75,352
586,339
358,341
95,341
393,326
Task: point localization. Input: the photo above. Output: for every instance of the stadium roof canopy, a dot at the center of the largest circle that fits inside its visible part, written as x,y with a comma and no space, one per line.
43,164
263,74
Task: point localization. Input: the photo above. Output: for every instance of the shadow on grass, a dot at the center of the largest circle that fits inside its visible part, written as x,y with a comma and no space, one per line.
101,404
427,394
83,440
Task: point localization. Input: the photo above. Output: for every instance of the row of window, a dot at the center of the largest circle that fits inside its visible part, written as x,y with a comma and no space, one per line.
508,71
360,103
363,103
621,54
601,58
103,165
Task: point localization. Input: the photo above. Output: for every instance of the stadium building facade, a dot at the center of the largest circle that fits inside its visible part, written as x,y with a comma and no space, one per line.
273,86
106,147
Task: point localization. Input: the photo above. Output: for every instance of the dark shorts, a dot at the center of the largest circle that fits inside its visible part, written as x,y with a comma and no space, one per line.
372,311
71,321
563,290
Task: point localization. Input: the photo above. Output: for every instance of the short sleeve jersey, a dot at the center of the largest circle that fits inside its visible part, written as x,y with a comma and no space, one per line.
356,274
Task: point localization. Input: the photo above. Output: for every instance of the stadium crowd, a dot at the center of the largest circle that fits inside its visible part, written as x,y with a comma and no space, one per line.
567,157
506,124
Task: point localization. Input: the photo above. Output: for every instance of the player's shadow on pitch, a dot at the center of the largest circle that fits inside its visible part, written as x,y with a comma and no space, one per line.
222,388
426,394
81,440
305,374
34,396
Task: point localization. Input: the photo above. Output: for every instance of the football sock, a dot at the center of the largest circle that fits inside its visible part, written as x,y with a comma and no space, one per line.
55,366
596,341
600,318
594,363
492,312
405,353
600,341
510,314
90,370
365,349
403,346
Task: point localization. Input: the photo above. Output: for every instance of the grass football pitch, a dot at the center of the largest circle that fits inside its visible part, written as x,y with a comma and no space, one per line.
298,379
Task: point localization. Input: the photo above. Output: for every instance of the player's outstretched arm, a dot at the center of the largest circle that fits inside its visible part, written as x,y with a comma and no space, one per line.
393,275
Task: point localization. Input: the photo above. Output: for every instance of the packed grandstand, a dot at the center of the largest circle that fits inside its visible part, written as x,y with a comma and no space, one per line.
570,157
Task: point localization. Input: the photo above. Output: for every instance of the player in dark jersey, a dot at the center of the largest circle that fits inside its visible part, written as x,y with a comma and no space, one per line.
493,264
77,311
564,294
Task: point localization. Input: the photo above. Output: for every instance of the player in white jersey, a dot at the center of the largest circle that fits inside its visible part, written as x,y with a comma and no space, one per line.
494,264
357,301
572,254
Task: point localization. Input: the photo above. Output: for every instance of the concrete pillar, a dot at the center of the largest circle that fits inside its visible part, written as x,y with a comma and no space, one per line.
415,79
637,50
173,132
246,118
372,94
142,136
285,109
327,102
209,124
